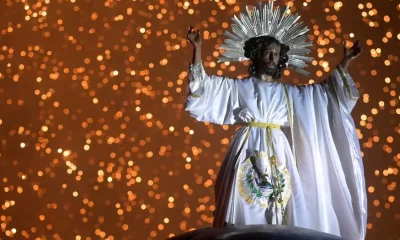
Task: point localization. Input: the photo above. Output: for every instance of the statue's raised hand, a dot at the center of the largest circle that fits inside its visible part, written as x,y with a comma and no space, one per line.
194,37
350,53
353,52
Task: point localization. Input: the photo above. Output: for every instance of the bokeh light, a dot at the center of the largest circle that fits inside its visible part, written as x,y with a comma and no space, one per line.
95,142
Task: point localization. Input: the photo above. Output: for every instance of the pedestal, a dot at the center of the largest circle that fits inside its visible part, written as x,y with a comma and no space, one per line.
255,232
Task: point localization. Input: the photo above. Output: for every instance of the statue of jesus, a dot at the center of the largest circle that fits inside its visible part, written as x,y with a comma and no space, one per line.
296,160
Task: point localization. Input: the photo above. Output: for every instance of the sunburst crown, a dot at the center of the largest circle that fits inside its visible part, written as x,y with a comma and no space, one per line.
264,20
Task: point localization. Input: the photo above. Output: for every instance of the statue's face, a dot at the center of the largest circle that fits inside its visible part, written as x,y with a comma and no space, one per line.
271,56
268,62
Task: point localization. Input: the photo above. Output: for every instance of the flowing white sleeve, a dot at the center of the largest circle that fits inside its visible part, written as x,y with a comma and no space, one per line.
329,157
211,98
344,87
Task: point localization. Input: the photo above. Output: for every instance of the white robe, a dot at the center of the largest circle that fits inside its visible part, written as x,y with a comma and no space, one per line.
317,148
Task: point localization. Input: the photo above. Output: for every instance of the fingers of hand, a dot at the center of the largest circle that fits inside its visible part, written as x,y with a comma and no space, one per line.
190,32
354,51
357,44
357,48
357,52
345,49
193,33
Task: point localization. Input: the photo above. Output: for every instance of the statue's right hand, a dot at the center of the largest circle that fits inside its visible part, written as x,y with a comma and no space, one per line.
194,37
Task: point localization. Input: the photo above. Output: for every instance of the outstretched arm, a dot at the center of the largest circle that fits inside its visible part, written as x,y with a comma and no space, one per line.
211,98
197,74
346,89
340,80
325,136
339,83
195,39
350,53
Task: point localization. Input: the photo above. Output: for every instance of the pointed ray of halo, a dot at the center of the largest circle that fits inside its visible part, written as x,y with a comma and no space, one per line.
263,20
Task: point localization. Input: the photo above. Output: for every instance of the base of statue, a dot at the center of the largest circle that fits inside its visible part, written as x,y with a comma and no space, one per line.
255,232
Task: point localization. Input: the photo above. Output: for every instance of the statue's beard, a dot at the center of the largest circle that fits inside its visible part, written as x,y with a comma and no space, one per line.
269,70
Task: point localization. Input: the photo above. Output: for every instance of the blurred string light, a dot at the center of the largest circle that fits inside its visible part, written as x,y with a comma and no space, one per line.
94,139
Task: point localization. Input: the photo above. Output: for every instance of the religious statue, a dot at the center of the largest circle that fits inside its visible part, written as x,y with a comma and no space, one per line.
296,160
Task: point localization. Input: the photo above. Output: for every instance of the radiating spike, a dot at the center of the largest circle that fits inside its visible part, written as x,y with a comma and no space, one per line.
283,16
231,36
304,45
292,19
224,59
297,51
274,21
292,31
297,41
256,20
295,61
285,22
238,31
278,19
232,54
233,43
232,47
248,25
248,12
239,24
299,70
302,58
269,19
301,32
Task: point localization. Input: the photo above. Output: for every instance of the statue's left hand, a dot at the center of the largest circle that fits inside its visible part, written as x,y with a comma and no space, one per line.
350,53
353,52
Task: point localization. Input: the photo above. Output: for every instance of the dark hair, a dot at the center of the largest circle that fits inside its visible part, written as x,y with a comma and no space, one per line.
254,49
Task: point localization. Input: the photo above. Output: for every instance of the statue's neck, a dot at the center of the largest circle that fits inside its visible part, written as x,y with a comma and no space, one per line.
264,77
